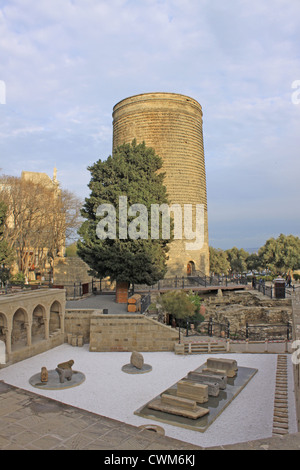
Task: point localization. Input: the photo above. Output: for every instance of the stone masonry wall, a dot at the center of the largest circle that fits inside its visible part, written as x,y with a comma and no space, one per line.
69,270
77,322
130,333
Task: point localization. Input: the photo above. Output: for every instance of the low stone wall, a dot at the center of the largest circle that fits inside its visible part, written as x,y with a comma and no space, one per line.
247,306
260,347
21,354
129,333
77,322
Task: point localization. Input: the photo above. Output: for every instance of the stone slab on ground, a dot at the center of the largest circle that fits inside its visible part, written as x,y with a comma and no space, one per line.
168,408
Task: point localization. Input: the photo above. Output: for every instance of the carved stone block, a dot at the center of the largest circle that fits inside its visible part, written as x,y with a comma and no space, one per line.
44,375
137,360
178,406
64,374
201,377
192,391
229,365
66,365
182,402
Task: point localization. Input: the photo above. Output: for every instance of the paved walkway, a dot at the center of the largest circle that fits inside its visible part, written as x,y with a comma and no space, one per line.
98,302
32,422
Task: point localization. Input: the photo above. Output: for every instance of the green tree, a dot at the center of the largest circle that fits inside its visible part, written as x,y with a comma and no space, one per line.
196,318
6,254
254,262
71,250
218,260
281,254
132,171
237,259
179,305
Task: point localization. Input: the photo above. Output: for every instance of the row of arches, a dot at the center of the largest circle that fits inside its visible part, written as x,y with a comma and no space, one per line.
25,328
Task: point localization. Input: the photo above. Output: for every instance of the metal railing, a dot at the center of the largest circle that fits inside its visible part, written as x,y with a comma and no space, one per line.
104,286
265,289
145,302
293,290
277,293
197,279
254,332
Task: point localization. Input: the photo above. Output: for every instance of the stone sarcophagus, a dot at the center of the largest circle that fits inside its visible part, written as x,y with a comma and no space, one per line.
193,391
208,378
178,406
229,366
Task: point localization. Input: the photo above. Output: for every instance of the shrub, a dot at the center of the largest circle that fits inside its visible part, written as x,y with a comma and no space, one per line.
18,279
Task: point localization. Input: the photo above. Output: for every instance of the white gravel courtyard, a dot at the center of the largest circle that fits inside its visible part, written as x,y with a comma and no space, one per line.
110,392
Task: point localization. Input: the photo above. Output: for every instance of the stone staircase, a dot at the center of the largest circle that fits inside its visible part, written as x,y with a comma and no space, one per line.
204,348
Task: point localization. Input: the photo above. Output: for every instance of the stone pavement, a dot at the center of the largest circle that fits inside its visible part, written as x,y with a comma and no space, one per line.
29,421
32,422
98,302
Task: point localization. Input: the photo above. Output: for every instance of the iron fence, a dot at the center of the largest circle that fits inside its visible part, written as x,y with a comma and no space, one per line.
195,280
272,291
265,289
254,332
145,302
105,287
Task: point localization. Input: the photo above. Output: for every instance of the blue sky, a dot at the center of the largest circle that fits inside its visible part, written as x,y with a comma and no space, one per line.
66,63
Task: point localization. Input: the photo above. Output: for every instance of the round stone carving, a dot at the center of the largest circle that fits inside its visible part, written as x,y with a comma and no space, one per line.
131,369
154,428
54,383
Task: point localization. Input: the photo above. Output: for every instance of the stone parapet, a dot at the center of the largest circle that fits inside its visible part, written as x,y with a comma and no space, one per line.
31,322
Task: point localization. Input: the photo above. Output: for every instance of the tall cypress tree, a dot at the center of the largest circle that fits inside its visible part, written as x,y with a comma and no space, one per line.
133,173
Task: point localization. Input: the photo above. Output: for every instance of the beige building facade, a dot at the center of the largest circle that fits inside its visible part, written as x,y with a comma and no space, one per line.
172,125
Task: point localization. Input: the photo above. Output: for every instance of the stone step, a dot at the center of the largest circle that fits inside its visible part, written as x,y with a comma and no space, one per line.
285,414
277,419
280,400
279,432
217,346
200,348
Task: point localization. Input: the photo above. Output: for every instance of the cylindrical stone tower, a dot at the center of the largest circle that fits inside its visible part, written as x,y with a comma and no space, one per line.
171,124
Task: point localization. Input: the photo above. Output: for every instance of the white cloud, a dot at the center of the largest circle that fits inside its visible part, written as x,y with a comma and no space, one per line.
66,63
